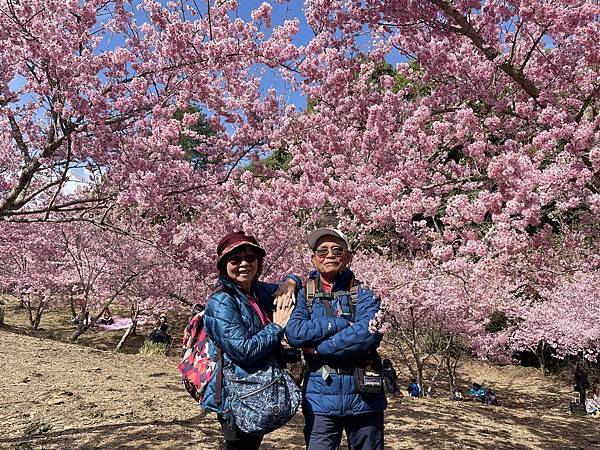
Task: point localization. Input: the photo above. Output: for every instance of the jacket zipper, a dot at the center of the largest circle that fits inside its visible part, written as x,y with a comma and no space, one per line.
340,375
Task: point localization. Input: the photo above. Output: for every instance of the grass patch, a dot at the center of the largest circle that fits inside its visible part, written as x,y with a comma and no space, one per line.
153,348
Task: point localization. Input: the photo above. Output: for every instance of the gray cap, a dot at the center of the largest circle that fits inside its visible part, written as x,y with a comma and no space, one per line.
320,232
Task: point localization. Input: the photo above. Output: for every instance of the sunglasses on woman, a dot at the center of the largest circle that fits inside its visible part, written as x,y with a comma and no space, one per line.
237,260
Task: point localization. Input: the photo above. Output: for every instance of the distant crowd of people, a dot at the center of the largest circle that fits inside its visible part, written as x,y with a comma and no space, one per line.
476,392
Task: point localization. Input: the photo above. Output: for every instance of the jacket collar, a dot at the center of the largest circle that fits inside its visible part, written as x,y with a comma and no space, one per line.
228,284
341,280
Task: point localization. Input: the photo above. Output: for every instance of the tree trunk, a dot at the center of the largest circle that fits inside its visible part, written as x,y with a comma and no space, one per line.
82,327
38,314
35,316
130,330
420,380
451,366
124,338
29,314
73,311
541,356
135,311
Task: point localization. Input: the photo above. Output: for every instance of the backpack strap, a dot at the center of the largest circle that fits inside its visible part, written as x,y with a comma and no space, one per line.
219,380
310,290
220,361
353,295
326,300
352,292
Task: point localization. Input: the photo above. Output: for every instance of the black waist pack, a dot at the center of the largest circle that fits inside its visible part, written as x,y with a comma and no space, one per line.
368,377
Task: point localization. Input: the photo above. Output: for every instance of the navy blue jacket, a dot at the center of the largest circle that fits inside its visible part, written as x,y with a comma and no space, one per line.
234,326
337,343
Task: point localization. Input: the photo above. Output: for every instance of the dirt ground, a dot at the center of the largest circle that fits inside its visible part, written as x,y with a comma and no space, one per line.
60,395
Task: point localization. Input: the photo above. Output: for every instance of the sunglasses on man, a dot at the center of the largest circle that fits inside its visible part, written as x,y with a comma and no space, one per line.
322,252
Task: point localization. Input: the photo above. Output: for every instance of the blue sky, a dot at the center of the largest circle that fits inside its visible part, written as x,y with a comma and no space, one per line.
281,12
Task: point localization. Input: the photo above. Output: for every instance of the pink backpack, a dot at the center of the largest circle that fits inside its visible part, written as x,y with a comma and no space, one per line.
196,366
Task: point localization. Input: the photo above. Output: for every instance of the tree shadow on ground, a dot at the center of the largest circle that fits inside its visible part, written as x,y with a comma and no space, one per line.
447,424
121,435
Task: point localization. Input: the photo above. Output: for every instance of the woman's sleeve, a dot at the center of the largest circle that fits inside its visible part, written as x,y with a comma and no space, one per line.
265,291
225,326
295,278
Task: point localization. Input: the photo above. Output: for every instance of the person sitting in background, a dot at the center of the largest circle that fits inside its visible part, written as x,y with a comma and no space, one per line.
84,314
477,392
592,407
106,317
595,389
457,394
159,335
490,397
414,390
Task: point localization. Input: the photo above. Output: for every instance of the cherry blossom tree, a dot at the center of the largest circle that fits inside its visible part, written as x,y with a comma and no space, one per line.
563,319
95,87
31,270
435,312
456,142
478,148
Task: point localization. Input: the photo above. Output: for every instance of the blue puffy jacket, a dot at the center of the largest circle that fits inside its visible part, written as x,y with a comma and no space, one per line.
337,343
234,326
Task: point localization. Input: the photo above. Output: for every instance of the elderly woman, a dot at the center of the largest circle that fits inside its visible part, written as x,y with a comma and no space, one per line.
245,318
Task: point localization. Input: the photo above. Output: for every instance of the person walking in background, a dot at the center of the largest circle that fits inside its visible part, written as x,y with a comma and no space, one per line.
245,318
342,387
581,381
390,379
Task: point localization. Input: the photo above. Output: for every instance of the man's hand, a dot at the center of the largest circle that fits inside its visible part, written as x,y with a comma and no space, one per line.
309,350
285,296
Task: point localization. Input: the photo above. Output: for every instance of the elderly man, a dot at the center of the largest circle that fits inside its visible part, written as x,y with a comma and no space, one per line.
342,386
